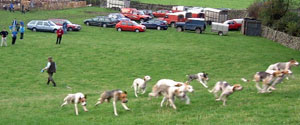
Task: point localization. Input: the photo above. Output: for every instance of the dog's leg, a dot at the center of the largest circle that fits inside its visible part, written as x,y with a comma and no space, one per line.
144,90
163,101
65,103
258,87
224,100
85,109
187,100
76,109
203,84
100,101
115,108
171,100
125,107
135,90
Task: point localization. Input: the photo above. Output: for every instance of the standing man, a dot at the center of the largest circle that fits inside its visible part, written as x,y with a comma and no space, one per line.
51,69
65,27
59,33
4,34
14,37
22,30
23,9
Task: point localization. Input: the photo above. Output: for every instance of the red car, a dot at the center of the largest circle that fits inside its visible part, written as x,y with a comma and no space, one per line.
173,18
71,26
130,26
233,25
160,13
135,14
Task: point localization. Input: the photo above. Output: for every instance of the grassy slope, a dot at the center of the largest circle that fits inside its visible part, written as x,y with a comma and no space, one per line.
95,59
234,4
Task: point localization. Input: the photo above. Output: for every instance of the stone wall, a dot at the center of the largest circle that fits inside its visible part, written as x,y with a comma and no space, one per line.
138,5
281,37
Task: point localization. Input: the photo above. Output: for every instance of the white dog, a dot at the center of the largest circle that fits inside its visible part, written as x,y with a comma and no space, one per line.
201,77
76,99
140,85
283,66
226,90
162,87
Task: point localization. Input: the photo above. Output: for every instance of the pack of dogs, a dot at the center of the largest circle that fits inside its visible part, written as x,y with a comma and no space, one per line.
170,90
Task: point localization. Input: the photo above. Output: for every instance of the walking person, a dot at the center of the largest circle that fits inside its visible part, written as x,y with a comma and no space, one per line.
22,30
23,9
14,37
51,69
59,33
11,7
4,34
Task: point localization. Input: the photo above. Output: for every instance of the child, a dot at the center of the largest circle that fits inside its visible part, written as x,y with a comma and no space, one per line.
22,30
14,36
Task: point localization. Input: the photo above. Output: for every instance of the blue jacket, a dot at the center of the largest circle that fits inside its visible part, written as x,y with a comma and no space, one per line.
22,29
11,5
14,33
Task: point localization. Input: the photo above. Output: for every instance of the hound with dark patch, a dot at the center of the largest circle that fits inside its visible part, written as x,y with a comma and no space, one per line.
226,90
201,77
116,95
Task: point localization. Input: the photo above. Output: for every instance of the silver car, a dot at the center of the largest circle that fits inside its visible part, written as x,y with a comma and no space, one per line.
43,25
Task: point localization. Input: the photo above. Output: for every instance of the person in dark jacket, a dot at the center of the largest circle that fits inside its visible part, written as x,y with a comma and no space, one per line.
59,33
3,34
51,69
65,27
23,9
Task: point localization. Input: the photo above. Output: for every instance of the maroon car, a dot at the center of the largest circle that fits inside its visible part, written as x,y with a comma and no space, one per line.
71,26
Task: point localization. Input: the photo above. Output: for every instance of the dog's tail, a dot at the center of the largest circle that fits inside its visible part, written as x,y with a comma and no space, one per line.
245,80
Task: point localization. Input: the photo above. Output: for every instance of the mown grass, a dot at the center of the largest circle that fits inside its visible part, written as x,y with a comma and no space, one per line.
234,4
97,59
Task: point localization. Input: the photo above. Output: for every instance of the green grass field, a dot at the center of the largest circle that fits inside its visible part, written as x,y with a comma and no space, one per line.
234,4
97,59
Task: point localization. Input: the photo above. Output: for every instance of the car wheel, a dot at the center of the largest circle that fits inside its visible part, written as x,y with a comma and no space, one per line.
172,25
179,29
137,30
158,28
104,25
220,33
70,29
34,29
119,29
54,31
198,30
87,23
142,20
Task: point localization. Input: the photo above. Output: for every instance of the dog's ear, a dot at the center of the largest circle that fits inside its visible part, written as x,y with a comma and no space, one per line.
176,91
178,85
85,96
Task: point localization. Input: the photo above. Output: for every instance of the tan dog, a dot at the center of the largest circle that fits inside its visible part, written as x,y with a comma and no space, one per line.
226,89
117,95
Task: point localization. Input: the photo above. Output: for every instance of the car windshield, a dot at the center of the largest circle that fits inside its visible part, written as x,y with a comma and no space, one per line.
141,13
51,23
68,22
134,23
120,16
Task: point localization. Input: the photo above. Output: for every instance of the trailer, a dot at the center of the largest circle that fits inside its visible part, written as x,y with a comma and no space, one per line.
117,4
215,15
220,28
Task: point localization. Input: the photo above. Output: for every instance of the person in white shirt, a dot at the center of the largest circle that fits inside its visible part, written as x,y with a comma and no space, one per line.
51,69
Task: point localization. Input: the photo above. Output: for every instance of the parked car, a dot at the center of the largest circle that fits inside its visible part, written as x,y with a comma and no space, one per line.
71,26
161,13
156,24
118,16
103,21
130,26
43,25
233,25
193,24
135,15
220,28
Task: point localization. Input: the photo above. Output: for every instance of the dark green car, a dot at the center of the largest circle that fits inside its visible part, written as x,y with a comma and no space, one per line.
102,21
